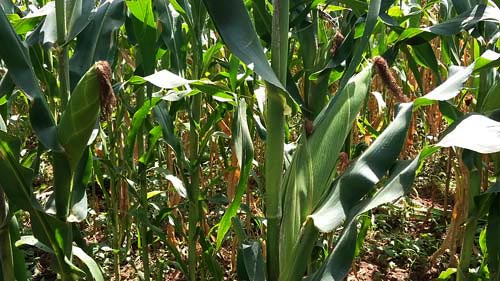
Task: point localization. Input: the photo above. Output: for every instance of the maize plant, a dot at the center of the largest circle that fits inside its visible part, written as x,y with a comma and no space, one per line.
248,140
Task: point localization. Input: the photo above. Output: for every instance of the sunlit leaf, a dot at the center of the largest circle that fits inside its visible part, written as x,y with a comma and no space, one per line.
476,132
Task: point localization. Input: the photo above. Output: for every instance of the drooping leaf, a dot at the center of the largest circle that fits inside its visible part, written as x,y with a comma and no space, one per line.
137,122
83,173
464,21
424,54
166,122
363,174
18,189
475,132
235,27
359,49
16,183
177,184
244,152
48,30
94,268
449,88
339,261
21,72
97,41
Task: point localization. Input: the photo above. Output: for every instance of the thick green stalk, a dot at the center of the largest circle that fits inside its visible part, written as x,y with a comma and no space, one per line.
6,255
194,190
275,122
62,52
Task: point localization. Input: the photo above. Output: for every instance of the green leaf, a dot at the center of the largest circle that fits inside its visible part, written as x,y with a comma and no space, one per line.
94,268
359,49
20,269
166,122
137,122
487,59
235,27
32,241
25,24
251,262
244,152
21,72
78,15
449,111
83,174
144,30
491,101
475,132
16,183
142,10
313,166
455,25
173,36
97,41
8,6
424,54
363,174
449,88
16,179
339,261
447,274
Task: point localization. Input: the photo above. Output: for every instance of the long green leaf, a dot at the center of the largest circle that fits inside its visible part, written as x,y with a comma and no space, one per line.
475,132
21,72
16,183
235,27
339,261
167,124
314,163
455,25
94,268
173,35
144,30
97,41
359,49
363,174
244,152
